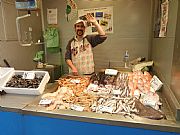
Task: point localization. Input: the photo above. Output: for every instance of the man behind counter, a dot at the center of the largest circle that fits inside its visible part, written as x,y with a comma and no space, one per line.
79,55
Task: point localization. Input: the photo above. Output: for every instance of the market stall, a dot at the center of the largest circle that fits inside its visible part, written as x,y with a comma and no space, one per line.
30,116
27,117
117,98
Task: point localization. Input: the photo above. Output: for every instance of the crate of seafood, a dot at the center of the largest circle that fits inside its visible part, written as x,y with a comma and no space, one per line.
5,74
26,82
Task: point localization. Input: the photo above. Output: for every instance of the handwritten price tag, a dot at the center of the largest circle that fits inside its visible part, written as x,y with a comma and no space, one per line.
45,102
28,75
77,108
111,72
75,81
105,109
116,92
156,84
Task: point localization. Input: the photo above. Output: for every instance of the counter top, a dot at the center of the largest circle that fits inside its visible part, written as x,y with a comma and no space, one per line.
27,104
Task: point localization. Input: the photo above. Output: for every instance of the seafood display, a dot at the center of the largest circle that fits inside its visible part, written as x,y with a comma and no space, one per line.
139,82
64,98
117,85
76,83
18,81
126,93
115,105
26,82
148,112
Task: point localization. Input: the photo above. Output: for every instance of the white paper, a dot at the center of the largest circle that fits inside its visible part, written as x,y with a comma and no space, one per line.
28,75
52,16
149,103
92,87
105,109
45,102
77,108
75,81
151,99
156,84
111,72
116,92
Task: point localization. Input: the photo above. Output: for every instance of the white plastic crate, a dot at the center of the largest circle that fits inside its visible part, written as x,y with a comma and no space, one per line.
5,74
28,91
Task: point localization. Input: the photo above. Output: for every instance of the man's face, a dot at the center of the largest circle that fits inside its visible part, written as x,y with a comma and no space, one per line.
80,29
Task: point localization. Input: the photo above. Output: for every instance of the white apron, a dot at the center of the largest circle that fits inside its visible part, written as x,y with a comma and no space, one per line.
82,56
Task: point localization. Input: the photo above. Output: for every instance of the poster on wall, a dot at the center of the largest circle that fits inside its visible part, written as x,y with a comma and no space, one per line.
103,15
157,20
52,16
164,19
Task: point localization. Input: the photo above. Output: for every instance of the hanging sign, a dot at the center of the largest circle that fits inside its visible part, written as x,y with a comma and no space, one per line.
164,18
71,10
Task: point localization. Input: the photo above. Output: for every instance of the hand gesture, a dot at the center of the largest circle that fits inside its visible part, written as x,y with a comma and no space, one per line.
90,18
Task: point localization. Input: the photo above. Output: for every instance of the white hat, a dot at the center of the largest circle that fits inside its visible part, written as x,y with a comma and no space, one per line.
78,21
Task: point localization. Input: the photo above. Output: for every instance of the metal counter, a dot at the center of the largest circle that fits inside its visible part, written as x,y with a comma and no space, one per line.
28,105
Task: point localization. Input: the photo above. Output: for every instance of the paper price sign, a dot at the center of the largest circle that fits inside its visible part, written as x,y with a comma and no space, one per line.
77,108
156,84
75,81
105,109
28,75
116,92
111,72
45,102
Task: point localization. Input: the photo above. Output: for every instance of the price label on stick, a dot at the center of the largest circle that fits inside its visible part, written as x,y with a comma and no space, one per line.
111,72
75,81
105,109
45,102
28,75
156,84
77,108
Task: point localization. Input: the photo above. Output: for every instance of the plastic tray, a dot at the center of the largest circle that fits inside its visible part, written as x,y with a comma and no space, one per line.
28,91
5,74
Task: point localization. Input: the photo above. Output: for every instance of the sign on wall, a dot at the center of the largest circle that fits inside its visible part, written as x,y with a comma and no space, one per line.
103,15
161,19
52,16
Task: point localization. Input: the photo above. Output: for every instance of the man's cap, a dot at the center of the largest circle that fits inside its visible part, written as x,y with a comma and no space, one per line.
78,21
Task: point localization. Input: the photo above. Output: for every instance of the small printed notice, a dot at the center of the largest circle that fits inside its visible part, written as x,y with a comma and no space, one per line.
156,84
149,102
77,108
105,109
28,75
45,102
116,92
52,16
75,81
92,87
111,72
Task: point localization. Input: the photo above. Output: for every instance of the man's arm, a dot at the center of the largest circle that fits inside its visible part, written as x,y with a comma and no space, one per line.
93,20
68,59
95,39
71,65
